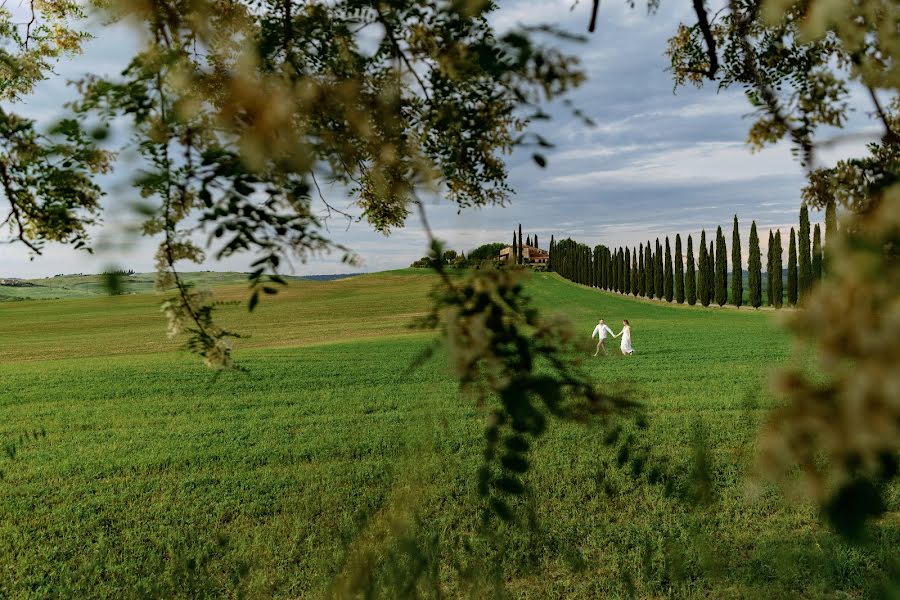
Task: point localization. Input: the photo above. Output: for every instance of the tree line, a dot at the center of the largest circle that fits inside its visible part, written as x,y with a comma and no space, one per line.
650,271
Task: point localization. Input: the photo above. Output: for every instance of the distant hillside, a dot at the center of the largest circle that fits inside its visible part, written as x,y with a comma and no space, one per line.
85,286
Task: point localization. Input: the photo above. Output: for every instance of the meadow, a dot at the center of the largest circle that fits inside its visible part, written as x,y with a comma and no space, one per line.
131,471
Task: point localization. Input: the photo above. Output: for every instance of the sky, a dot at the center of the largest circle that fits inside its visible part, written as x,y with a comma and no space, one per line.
658,162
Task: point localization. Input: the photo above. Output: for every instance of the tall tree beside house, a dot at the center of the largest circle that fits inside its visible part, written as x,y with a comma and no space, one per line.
626,267
754,268
658,285
817,255
536,241
668,283
737,267
721,269
770,270
778,269
515,249
642,283
679,271
703,271
690,282
804,273
711,275
793,283
521,253
550,265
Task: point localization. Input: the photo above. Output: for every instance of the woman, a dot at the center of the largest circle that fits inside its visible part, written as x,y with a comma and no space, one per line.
626,338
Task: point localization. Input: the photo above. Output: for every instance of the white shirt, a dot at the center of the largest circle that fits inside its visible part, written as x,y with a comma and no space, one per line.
601,330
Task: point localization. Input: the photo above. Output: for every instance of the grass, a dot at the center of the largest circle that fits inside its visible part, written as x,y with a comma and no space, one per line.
149,476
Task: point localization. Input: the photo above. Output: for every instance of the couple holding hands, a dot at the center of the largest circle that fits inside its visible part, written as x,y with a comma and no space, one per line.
602,331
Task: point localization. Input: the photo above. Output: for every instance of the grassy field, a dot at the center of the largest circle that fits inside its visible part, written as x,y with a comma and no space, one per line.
150,477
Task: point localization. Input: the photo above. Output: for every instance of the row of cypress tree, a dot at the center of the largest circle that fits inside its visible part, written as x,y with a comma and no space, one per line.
650,271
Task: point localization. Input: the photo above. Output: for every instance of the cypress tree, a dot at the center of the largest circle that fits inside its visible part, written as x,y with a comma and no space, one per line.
658,284
609,271
721,269
535,241
648,270
604,268
830,231
615,271
711,276
754,268
627,269
679,271
642,283
690,282
515,248
550,265
778,268
668,284
770,270
804,277
817,254
521,254
623,273
793,280
703,274
634,272
737,267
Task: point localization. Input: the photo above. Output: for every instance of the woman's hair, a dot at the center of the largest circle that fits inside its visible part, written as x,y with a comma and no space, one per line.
626,322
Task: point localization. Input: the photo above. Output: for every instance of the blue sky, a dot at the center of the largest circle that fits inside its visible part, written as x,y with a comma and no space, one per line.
656,164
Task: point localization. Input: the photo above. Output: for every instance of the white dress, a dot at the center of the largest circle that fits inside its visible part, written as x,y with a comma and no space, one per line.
626,340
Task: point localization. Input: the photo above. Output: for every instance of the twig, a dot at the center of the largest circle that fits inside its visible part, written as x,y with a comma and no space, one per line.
889,135
594,10
703,23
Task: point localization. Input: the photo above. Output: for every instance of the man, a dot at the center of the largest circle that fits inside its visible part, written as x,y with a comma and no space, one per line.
601,330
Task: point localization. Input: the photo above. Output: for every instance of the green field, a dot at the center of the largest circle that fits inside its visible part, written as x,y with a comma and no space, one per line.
149,476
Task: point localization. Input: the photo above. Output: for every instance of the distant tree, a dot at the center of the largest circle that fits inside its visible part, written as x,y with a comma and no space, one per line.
635,277
642,283
515,248
486,252
830,231
690,282
648,270
754,268
626,267
552,251
804,277
721,284
658,285
711,267
535,241
679,271
817,255
770,270
449,256
778,269
737,268
668,283
623,272
521,246
615,271
703,271
793,281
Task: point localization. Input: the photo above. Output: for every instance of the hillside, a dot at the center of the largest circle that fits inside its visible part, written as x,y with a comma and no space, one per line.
269,480
92,286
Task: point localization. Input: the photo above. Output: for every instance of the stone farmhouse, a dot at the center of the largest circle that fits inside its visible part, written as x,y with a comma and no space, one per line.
532,255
